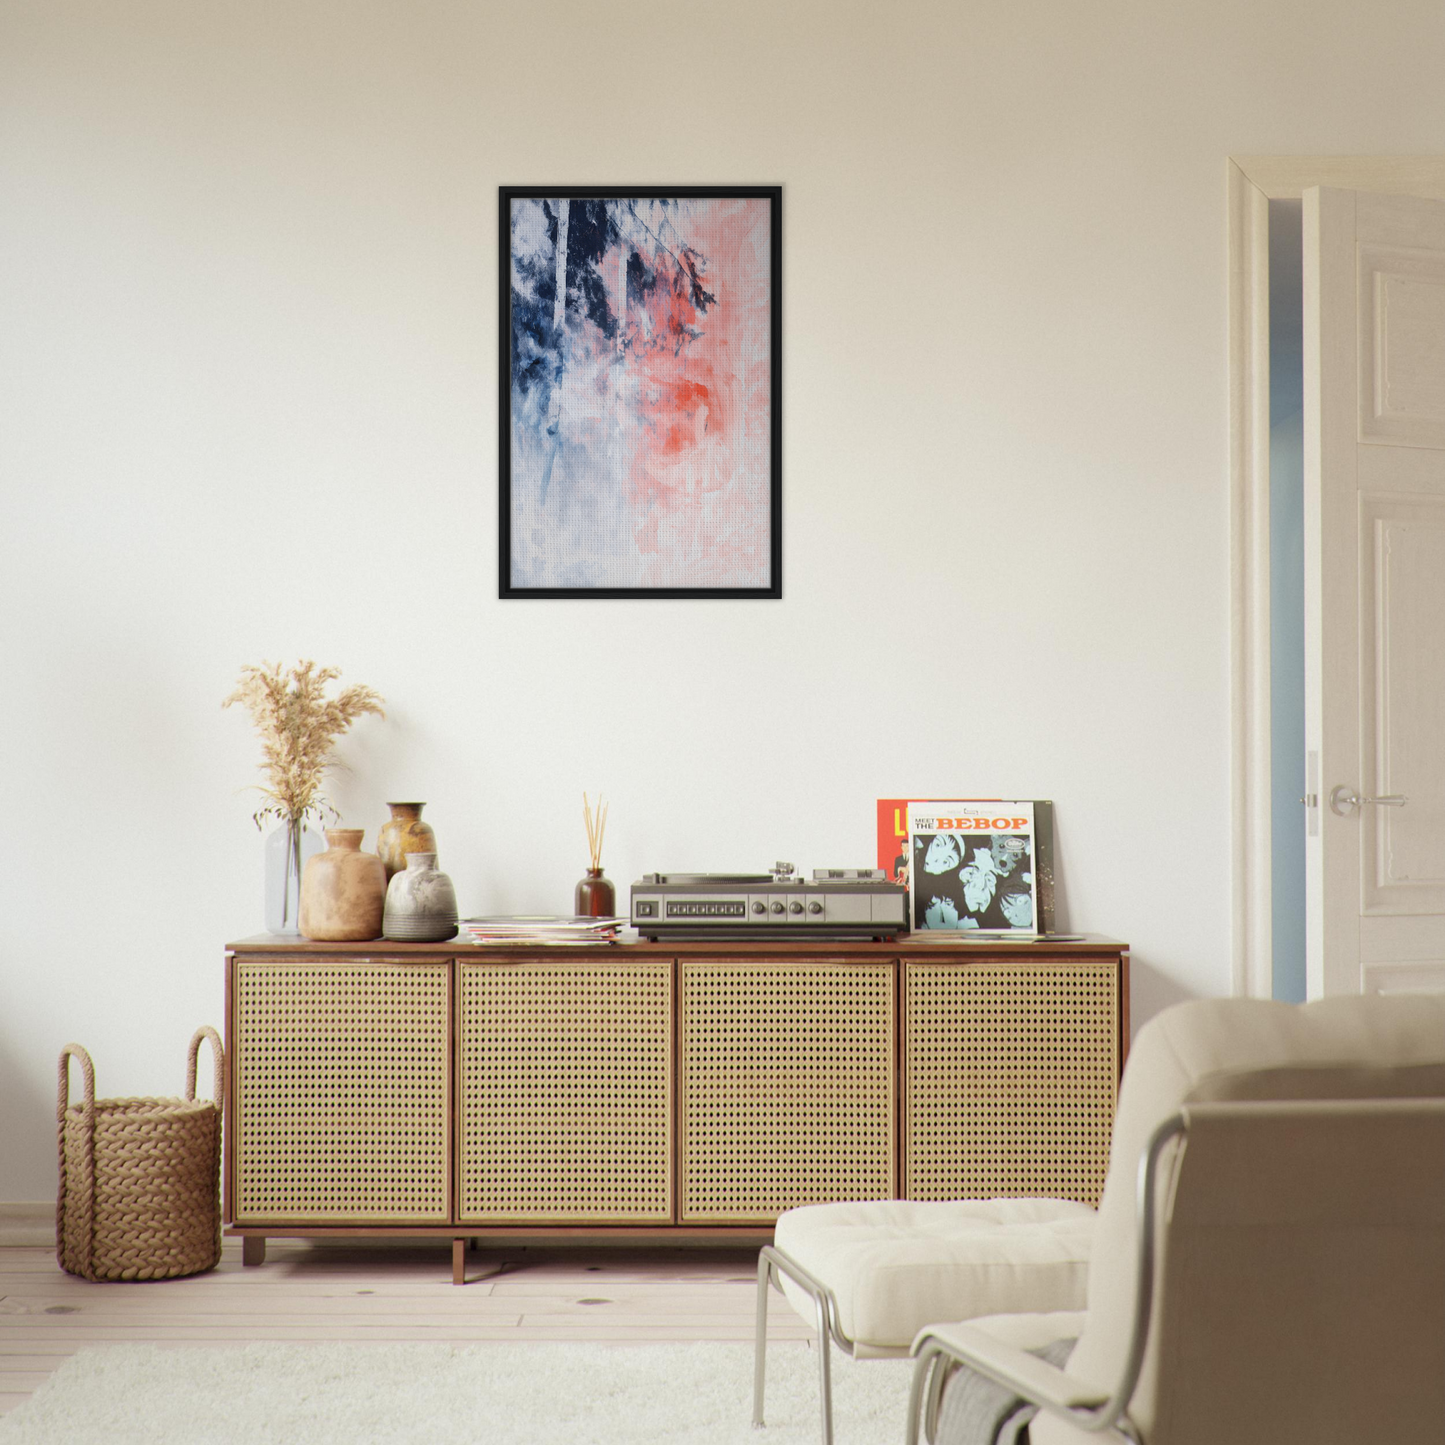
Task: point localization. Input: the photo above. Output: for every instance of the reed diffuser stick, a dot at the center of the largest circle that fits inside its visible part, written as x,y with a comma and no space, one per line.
596,827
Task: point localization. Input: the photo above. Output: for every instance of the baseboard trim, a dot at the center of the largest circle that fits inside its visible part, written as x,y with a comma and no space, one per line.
28,1223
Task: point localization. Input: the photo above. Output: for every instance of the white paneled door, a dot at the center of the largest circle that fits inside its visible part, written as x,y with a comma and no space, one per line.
1374,281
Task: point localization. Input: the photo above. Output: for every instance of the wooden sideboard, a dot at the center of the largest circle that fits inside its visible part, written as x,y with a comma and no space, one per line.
657,1091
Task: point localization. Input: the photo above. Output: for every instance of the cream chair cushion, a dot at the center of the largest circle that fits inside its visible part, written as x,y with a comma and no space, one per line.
896,1265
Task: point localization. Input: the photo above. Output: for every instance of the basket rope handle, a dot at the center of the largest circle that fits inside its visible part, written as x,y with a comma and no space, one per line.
84,1187
218,1056
87,1070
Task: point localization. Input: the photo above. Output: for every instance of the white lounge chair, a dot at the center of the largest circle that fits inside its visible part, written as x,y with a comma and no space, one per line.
1269,1260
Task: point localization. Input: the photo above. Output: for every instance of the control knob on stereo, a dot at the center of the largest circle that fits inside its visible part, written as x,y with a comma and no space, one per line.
815,907
795,907
777,908
759,906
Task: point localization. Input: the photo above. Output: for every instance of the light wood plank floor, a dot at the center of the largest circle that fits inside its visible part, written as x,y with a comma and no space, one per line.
381,1292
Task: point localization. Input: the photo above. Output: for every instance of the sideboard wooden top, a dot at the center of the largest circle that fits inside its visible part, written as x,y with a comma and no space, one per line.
905,945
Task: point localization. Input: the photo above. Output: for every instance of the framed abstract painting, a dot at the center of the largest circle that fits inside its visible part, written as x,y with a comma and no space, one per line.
641,428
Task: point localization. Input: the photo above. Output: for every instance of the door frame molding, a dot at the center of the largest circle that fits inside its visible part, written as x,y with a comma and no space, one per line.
1252,182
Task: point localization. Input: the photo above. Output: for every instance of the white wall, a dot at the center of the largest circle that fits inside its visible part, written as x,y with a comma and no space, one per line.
248,338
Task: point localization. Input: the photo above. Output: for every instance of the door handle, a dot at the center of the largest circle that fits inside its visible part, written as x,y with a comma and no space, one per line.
1344,800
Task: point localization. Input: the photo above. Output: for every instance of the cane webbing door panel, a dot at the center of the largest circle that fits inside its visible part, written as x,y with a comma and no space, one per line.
787,1078
342,1091
1010,1076
566,1091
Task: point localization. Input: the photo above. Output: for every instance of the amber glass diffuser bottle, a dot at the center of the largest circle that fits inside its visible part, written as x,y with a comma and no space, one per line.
595,897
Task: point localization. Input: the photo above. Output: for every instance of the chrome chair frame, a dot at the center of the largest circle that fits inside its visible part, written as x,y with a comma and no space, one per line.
937,1358
771,1264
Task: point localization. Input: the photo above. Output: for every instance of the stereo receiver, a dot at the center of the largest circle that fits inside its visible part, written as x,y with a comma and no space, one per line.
835,902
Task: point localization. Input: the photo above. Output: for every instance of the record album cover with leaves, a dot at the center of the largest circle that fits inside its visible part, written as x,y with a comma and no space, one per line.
979,864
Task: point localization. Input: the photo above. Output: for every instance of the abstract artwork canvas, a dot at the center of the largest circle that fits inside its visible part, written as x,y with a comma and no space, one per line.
640,396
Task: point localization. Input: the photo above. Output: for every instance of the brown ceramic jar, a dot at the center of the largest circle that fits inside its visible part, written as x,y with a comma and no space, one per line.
594,896
343,890
403,833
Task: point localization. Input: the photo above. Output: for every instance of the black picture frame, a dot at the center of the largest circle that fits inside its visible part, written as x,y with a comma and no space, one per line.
523,357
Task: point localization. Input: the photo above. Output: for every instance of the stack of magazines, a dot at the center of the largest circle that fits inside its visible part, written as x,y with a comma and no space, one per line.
524,928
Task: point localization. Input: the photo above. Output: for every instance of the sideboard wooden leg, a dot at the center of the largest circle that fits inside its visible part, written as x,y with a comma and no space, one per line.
459,1261
253,1249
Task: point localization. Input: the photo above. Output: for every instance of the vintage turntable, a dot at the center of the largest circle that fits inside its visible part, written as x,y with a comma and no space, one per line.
834,903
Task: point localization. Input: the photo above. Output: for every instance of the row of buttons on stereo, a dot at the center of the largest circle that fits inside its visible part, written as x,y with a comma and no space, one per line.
679,909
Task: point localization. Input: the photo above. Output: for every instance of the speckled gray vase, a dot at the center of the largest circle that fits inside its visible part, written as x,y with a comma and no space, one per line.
421,904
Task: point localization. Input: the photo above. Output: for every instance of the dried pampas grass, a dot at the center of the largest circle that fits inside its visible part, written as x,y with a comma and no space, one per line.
298,724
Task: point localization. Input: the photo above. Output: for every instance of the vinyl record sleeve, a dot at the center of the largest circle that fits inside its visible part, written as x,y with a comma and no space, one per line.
895,857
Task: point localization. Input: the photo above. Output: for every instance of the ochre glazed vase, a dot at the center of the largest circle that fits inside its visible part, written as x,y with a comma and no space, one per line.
343,890
404,833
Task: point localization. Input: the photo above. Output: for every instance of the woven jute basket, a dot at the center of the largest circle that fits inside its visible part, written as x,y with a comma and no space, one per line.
139,1178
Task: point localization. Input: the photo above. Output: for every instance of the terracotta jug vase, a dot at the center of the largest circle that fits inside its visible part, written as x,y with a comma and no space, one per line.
403,833
343,890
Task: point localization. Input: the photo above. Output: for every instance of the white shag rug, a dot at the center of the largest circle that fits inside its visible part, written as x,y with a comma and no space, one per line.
477,1394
